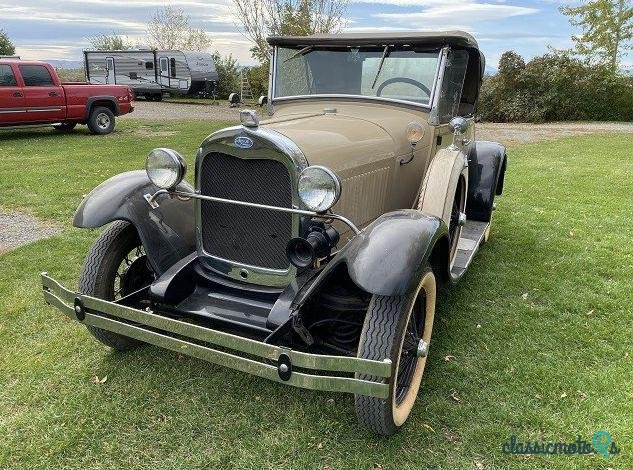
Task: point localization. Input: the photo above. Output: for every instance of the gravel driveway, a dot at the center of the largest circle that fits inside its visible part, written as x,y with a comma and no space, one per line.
166,111
501,132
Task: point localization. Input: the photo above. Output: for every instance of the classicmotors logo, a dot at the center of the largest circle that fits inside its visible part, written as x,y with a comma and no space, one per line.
600,443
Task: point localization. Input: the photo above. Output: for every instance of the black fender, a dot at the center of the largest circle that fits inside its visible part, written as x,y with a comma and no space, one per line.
486,172
167,232
388,257
111,100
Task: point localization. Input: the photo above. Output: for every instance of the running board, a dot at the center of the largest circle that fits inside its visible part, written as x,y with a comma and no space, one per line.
472,236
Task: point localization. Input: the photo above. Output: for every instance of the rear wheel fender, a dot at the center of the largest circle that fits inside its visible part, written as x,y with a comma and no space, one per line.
486,170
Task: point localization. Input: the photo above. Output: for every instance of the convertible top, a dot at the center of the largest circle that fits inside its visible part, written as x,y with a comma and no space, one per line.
456,39
436,38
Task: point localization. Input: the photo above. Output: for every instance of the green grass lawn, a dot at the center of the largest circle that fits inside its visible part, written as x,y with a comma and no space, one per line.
536,340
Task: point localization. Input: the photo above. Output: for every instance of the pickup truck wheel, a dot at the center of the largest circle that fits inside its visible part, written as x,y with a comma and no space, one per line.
397,328
115,266
101,121
64,126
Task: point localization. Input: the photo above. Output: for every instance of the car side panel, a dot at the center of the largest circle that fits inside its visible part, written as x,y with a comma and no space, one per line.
486,171
167,232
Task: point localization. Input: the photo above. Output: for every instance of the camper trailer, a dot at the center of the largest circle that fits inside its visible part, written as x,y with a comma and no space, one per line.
151,73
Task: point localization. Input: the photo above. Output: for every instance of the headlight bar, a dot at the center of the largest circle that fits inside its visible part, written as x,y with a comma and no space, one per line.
151,199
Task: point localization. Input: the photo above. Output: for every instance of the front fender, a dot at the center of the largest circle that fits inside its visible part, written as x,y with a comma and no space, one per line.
389,256
167,232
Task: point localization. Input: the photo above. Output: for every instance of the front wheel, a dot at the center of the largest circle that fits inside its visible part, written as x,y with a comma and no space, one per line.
101,121
115,266
397,328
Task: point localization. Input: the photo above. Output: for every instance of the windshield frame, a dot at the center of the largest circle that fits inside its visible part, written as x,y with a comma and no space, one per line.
426,106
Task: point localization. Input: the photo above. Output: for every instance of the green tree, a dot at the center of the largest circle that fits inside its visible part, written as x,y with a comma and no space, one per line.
556,86
109,42
607,29
228,75
6,46
169,28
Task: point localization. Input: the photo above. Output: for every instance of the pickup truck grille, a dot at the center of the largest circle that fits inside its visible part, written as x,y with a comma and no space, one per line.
246,235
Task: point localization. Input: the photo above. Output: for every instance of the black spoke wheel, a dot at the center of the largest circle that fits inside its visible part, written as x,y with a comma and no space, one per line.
397,328
115,266
454,227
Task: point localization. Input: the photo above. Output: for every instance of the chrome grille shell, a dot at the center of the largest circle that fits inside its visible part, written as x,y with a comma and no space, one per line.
267,144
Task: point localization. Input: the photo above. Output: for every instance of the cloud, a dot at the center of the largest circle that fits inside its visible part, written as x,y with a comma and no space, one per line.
465,11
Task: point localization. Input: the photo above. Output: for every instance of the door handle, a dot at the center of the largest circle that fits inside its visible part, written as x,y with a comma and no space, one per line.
52,93
17,94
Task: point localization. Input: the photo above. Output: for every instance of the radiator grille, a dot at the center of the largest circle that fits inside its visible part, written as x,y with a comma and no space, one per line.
246,235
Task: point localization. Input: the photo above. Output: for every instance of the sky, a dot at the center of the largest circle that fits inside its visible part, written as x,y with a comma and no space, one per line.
57,29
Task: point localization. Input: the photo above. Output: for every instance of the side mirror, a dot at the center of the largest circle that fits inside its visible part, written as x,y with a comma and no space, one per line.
263,100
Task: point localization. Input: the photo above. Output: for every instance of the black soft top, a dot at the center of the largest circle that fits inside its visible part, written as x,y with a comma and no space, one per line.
432,38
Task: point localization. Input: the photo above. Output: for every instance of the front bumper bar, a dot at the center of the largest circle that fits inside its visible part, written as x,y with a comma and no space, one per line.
272,362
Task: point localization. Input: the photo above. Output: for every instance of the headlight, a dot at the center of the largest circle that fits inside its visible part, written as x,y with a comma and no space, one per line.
319,188
165,168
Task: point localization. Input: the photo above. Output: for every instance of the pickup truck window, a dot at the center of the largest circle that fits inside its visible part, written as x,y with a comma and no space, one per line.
6,76
36,75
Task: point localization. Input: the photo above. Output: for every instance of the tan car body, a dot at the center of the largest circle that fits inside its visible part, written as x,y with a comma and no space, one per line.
365,144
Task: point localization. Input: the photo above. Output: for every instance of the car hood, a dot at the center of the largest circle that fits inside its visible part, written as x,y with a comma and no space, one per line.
337,141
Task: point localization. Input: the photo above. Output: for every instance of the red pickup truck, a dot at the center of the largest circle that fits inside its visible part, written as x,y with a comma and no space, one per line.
31,93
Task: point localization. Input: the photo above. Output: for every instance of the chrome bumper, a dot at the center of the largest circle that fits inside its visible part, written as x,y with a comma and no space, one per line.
272,362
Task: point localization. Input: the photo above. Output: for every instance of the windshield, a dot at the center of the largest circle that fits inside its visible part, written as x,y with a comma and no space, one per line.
401,72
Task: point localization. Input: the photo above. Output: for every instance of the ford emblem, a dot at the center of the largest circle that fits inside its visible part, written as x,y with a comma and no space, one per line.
243,142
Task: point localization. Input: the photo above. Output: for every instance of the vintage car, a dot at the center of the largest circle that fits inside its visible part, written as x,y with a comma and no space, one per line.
311,245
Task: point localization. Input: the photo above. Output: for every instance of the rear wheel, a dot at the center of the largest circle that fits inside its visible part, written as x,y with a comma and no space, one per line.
397,328
101,120
115,266
64,126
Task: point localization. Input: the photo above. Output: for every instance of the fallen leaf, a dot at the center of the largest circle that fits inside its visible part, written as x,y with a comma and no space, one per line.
589,312
582,395
97,380
320,445
524,296
426,426
455,397
538,397
330,401
376,466
563,395
479,465
478,325
448,357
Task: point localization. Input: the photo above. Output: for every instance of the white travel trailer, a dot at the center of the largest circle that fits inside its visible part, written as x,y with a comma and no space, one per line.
151,73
